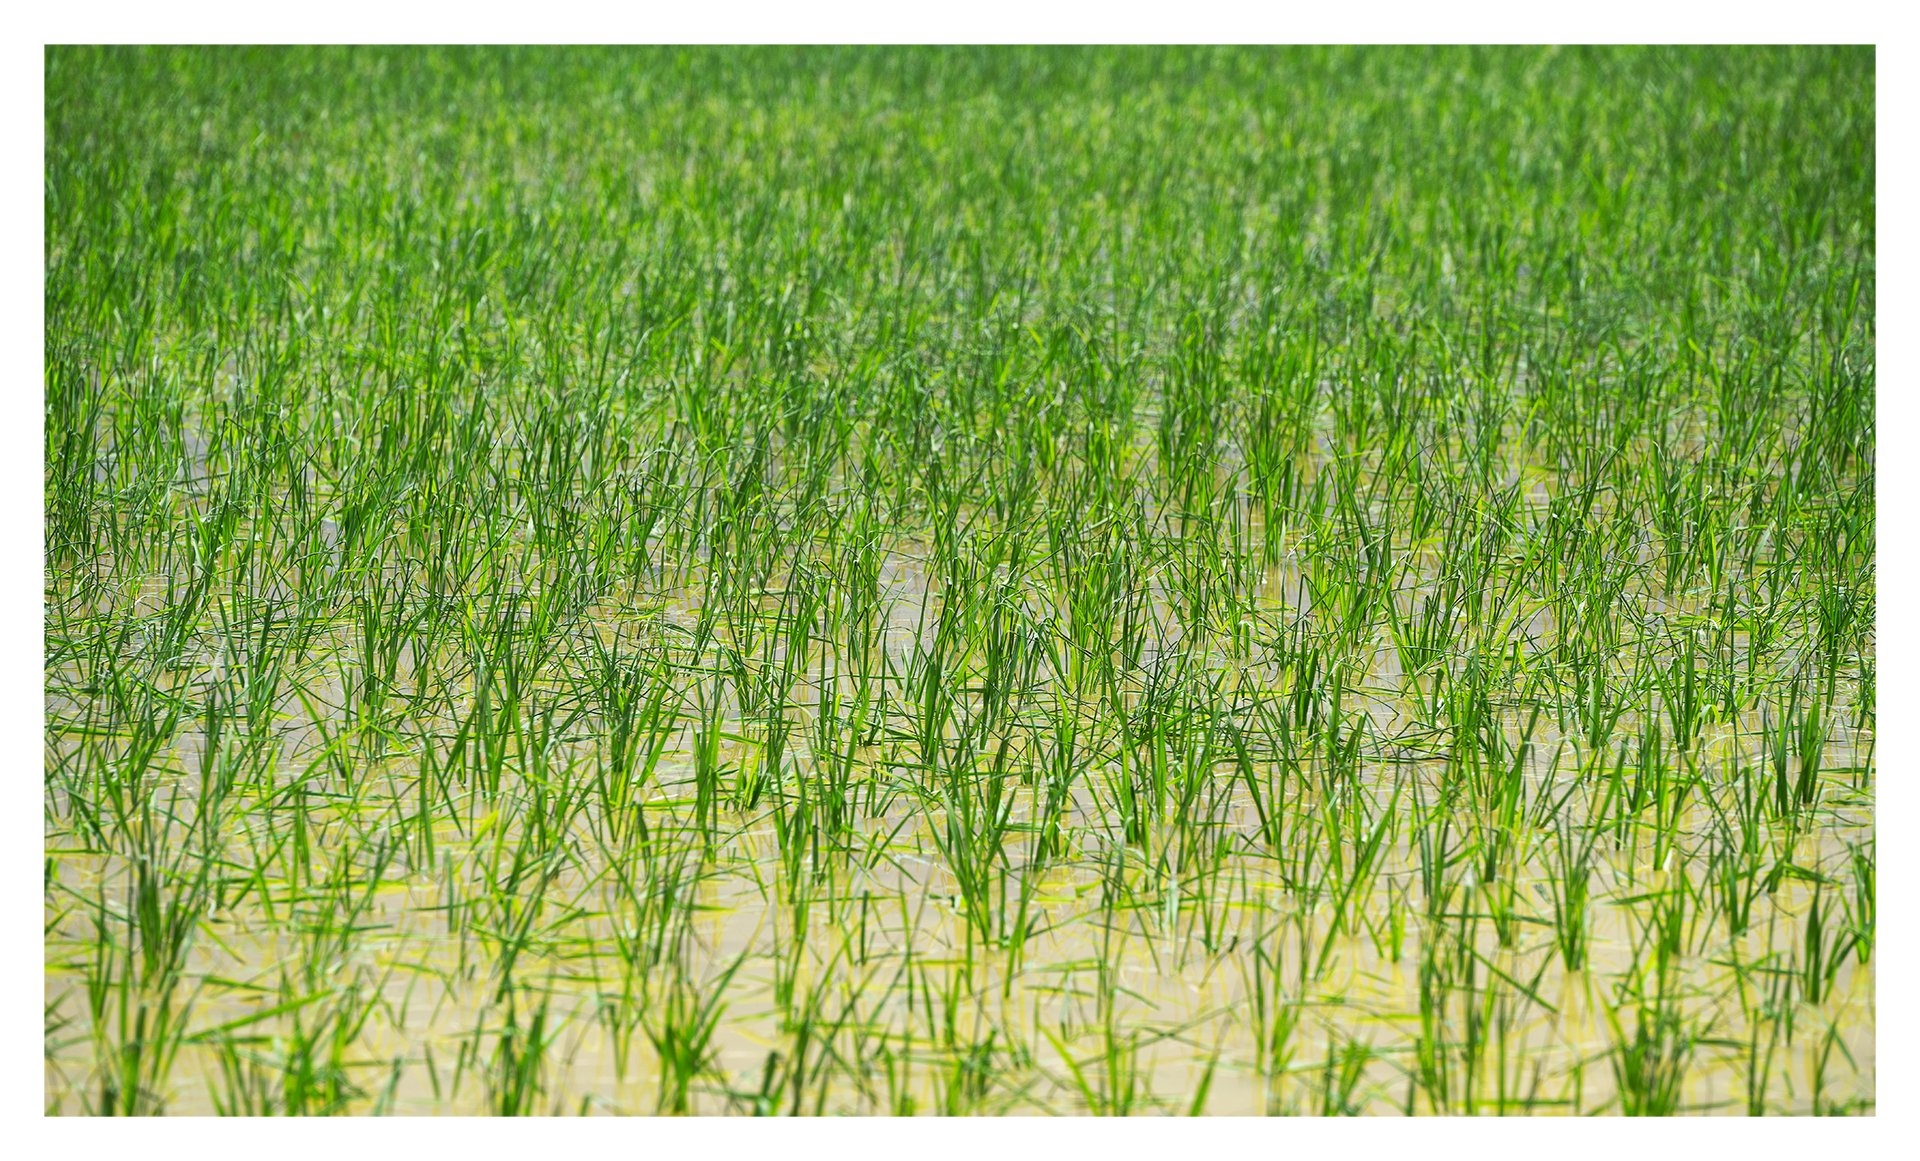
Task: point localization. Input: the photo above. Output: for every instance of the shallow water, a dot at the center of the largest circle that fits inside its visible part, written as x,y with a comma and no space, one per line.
1150,978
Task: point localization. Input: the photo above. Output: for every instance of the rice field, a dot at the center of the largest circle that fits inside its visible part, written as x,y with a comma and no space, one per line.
959,581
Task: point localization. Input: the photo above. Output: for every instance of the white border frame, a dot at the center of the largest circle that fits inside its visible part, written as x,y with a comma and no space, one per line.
987,21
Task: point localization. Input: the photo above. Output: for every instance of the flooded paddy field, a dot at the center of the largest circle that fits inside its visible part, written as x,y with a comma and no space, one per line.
960,582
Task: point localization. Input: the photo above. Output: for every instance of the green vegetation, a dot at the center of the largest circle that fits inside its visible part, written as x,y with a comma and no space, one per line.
959,581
